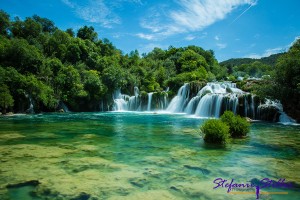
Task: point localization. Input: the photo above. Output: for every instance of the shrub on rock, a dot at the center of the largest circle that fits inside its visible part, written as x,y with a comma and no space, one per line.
215,131
238,126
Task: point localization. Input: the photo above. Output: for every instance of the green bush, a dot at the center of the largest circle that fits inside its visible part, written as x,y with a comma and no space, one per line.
238,126
215,131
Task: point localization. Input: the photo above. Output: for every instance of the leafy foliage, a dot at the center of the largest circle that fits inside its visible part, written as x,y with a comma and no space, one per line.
238,126
215,131
6,100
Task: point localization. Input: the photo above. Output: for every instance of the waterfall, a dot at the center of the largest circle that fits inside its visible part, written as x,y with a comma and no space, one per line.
30,110
285,119
179,102
192,105
63,106
270,111
211,101
149,101
253,107
136,91
138,102
120,103
134,102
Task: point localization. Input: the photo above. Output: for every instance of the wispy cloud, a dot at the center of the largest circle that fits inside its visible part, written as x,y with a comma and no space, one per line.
217,38
191,15
267,53
272,51
145,36
98,11
296,38
190,37
221,45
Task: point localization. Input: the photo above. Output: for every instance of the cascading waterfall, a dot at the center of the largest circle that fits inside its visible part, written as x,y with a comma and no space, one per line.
192,105
119,101
30,109
211,101
273,110
134,102
253,107
63,106
215,98
179,102
153,101
149,101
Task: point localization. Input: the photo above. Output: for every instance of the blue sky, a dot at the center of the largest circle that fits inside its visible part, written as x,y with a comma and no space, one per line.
231,28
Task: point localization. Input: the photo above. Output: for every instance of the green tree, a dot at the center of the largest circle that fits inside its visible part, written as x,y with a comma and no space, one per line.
4,23
93,85
47,25
215,131
6,100
287,79
23,56
238,126
71,32
87,33
26,29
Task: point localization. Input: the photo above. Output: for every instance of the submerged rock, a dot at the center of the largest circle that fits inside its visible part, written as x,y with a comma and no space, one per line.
22,184
82,196
204,171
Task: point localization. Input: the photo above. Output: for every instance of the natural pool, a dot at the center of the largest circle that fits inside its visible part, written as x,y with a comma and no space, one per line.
131,155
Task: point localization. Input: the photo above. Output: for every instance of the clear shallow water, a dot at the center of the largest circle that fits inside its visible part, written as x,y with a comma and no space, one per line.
132,155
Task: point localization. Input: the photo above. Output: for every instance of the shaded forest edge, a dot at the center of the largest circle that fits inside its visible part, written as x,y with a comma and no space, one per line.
42,64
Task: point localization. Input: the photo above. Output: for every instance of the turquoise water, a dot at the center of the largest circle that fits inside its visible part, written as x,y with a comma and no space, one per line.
132,155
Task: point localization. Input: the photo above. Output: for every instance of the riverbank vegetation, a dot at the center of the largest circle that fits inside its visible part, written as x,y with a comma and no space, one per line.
43,65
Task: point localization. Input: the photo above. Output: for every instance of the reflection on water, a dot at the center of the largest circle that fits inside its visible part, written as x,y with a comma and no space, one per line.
135,155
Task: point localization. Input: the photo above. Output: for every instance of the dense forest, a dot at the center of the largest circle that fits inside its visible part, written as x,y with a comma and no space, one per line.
48,66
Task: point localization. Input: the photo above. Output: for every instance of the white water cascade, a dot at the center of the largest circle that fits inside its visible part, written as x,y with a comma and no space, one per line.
211,101
119,101
134,102
179,102
30,109
275,104
149,101
139,102
63,106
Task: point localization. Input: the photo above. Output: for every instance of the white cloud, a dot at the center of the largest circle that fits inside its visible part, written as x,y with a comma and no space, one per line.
145,36
192,15
272,51
217,38
221,45
189,37
291,44
198,14
69,3
267,53
98,11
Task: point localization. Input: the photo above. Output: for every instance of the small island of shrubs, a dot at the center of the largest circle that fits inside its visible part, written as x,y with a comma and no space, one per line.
218,131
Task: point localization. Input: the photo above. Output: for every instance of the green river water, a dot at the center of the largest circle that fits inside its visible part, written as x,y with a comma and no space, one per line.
131,155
